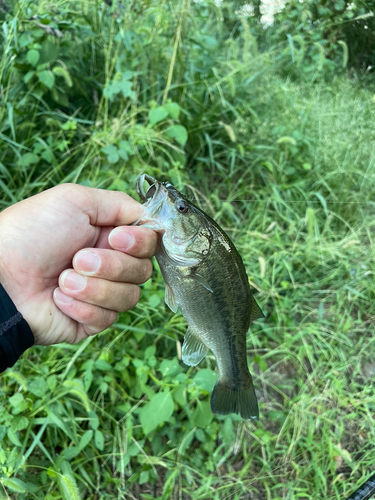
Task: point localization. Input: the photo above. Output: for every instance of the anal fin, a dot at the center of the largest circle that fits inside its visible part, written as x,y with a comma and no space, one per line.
170,298
193,349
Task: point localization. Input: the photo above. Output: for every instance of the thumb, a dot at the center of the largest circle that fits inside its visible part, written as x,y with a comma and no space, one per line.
104,208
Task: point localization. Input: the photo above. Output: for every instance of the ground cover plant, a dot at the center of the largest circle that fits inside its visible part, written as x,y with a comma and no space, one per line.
98,92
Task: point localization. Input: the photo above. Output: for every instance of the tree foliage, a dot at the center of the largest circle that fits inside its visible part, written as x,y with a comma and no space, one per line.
333,33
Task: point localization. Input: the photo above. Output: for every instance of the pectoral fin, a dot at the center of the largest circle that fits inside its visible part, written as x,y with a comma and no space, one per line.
170,298
201,280
193,349
256,312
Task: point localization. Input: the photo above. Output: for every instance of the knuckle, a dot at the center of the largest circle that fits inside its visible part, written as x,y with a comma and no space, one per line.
146,271
131,299
134,296
110,318
102,295
86,314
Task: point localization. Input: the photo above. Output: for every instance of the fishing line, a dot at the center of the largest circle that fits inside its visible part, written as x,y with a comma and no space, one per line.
295,201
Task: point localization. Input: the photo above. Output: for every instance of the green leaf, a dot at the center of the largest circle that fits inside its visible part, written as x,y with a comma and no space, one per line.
99,440
15,485
3,431
126,146
179,133
117,86
38,386
28,76
47,78
112,153
259,359
85,439
32,57
169,367
51,382
205,379
143,477
48,53
13,436
173,110
208,42
19,423
60,97
4,415
202,416
69,125
123,154
200,435
87,379
157,411
28,159
110,149
179,395
154,300
94,420
101,364
71,452
16,400
156,115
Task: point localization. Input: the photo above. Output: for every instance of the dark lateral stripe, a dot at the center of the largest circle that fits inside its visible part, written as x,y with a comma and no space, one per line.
7,325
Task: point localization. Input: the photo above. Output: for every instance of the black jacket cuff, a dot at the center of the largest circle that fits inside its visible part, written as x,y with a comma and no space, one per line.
15,334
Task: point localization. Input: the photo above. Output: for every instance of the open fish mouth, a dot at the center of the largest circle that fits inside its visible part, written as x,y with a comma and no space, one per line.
153,195
147,187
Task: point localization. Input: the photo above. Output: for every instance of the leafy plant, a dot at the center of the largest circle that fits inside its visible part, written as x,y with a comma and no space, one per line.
97,94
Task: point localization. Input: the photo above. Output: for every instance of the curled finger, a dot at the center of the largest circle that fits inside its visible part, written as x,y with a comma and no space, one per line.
94,319
112,265
112,295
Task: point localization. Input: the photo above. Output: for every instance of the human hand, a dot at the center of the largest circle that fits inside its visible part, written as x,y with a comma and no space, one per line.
69,264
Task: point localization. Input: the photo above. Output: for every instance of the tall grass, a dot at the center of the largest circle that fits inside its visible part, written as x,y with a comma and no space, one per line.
286,167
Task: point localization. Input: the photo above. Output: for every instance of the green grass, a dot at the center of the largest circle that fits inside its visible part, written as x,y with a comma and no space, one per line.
287,169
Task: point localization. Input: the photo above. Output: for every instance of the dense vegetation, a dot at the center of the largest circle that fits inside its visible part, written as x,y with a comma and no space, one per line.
272,132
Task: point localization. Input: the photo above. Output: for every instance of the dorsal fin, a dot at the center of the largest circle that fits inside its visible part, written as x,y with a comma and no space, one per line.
256,311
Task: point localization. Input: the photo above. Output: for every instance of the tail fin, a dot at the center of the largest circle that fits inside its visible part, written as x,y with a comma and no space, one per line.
227,400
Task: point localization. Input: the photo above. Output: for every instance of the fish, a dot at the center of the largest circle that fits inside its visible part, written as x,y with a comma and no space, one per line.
205,277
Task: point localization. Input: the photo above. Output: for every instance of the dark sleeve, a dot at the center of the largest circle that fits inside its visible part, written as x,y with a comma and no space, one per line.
15,333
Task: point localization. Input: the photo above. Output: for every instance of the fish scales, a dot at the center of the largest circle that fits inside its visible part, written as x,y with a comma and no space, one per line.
223,311
205,277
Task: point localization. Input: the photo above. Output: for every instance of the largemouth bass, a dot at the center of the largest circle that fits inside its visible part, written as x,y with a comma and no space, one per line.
205,277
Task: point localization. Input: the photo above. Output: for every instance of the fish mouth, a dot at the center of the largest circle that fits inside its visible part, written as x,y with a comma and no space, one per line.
152,195
147,187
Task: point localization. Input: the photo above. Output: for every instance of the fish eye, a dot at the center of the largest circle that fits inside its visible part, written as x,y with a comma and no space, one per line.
182,206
